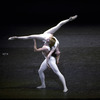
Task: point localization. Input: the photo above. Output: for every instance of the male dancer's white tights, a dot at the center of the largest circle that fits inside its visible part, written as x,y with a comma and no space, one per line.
53,66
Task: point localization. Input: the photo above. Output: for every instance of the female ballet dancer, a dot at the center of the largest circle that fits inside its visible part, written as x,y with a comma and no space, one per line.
47,34
52,62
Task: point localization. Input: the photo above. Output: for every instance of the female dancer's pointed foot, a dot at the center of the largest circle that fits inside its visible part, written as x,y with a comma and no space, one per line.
73,17
65,90
42,86
12,38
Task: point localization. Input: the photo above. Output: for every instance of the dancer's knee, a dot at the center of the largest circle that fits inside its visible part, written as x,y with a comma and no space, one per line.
59,74
39,71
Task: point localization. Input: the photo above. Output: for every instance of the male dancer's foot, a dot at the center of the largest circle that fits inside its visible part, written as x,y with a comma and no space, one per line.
65,90
42,86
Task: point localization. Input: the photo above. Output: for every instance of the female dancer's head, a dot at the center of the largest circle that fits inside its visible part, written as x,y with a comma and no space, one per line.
51,41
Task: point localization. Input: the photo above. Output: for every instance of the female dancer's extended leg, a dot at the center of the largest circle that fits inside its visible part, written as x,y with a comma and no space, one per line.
61,23
47,34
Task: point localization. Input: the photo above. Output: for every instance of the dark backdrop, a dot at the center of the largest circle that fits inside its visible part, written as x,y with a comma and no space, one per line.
48,11
79,46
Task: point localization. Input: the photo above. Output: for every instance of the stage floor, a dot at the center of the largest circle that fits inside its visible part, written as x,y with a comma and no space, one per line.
79,63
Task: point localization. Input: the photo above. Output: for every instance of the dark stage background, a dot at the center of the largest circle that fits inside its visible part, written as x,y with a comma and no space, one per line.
48,12
79,45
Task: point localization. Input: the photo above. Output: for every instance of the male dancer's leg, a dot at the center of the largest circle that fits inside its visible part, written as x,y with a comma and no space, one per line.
52,63
41,74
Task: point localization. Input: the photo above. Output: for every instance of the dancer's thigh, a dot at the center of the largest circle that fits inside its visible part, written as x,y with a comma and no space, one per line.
43,66
53,65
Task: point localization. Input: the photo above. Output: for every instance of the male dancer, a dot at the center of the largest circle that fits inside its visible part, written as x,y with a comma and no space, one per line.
51,63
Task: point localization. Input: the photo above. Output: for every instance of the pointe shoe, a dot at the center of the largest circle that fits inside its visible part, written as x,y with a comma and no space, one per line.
65,90
9,38
40,87
73,17
12,38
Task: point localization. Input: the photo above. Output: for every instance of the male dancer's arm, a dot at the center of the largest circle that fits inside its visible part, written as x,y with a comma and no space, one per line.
57,55
38,49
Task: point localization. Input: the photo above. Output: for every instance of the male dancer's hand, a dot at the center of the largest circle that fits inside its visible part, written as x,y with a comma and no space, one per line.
47,62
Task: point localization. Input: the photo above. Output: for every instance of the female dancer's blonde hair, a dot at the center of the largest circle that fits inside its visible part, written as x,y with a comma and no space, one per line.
52,42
